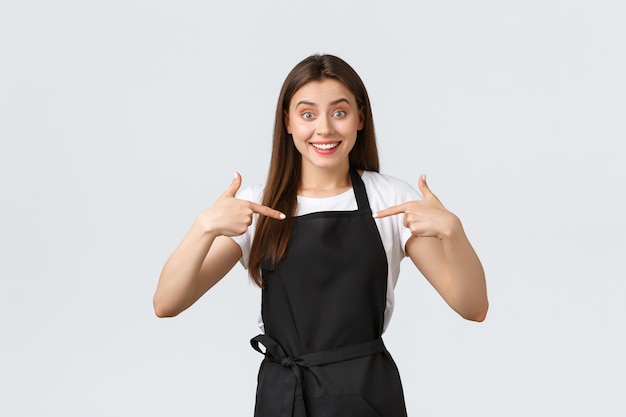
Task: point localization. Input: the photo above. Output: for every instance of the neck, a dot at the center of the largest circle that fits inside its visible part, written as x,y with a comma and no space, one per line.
322,182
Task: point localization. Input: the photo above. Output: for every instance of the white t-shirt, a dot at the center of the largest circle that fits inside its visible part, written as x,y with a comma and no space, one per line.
383,191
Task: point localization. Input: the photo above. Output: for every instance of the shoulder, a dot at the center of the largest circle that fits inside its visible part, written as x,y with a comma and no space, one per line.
252,193
388,190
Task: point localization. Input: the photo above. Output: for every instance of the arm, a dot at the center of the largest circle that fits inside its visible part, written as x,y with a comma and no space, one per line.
454,270
197,264
443,254
207,253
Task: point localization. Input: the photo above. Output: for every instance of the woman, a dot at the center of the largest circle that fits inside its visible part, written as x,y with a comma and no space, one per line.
324,239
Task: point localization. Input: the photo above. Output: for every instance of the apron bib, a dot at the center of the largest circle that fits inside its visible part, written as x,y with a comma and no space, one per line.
323,310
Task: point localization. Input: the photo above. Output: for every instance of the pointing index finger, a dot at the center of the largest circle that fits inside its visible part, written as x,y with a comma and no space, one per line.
266,211
390,211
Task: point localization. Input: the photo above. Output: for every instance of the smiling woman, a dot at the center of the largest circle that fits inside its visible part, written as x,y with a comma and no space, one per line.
324,239
323,120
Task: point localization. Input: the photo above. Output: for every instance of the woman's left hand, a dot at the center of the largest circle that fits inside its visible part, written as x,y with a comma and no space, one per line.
452,267
426,217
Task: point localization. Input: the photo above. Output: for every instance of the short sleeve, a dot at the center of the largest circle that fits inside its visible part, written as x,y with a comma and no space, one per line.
254,194
385,191
404,193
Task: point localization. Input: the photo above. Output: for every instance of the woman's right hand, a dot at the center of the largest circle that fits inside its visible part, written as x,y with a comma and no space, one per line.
230,216
204,257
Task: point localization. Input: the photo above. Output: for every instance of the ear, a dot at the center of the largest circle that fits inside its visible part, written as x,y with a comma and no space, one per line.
361,119
286,119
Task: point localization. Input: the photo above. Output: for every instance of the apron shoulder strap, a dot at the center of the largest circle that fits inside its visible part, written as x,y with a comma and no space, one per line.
359,192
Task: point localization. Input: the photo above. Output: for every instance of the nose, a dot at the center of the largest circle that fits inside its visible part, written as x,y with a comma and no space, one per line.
324,126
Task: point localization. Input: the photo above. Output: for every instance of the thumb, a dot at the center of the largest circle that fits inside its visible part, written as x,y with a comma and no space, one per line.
424,189
232,189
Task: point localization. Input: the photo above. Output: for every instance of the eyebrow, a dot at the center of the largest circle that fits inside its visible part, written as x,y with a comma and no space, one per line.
332,103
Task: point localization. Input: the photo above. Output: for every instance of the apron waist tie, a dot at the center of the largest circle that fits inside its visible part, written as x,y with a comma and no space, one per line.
274,352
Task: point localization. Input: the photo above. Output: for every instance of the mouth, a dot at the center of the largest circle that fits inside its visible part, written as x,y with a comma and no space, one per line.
325,146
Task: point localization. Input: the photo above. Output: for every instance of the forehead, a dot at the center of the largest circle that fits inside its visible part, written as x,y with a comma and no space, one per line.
322,92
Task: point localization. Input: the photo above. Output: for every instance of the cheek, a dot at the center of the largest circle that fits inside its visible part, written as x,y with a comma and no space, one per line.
299,143
297,138
351,125
301,130
349,131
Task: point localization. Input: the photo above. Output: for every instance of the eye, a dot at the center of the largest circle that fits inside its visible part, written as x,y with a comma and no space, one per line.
307,115
339,113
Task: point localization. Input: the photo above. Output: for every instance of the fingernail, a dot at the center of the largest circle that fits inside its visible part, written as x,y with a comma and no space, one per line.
375,215
236,175
282,216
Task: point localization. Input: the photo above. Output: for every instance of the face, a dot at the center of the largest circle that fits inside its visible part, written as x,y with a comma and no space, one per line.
323,119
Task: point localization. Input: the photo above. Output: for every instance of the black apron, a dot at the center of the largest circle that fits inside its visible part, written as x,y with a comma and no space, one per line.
323,309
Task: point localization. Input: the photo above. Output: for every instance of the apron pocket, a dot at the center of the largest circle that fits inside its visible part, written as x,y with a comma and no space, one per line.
341,406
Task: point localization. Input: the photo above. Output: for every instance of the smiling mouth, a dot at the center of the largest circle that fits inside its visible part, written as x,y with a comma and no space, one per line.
325,146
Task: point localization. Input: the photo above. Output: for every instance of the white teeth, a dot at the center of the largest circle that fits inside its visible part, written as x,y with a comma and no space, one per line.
325,146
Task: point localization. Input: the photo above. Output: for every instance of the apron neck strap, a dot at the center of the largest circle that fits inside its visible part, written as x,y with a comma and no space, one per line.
359,191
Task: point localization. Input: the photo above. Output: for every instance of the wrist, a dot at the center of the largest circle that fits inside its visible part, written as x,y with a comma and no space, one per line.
205,227
452,229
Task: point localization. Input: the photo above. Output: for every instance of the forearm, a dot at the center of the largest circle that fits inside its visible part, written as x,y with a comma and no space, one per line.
207,252
467,286
179,277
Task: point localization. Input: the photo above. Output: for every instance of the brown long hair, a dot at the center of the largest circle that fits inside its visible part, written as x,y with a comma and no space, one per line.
283,179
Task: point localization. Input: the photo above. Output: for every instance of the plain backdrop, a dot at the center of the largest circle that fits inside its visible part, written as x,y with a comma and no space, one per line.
121,120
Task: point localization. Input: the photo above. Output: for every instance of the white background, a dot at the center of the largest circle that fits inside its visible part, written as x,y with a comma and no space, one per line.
121,120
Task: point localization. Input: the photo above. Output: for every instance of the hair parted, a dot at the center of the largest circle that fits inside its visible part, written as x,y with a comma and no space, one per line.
272,236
